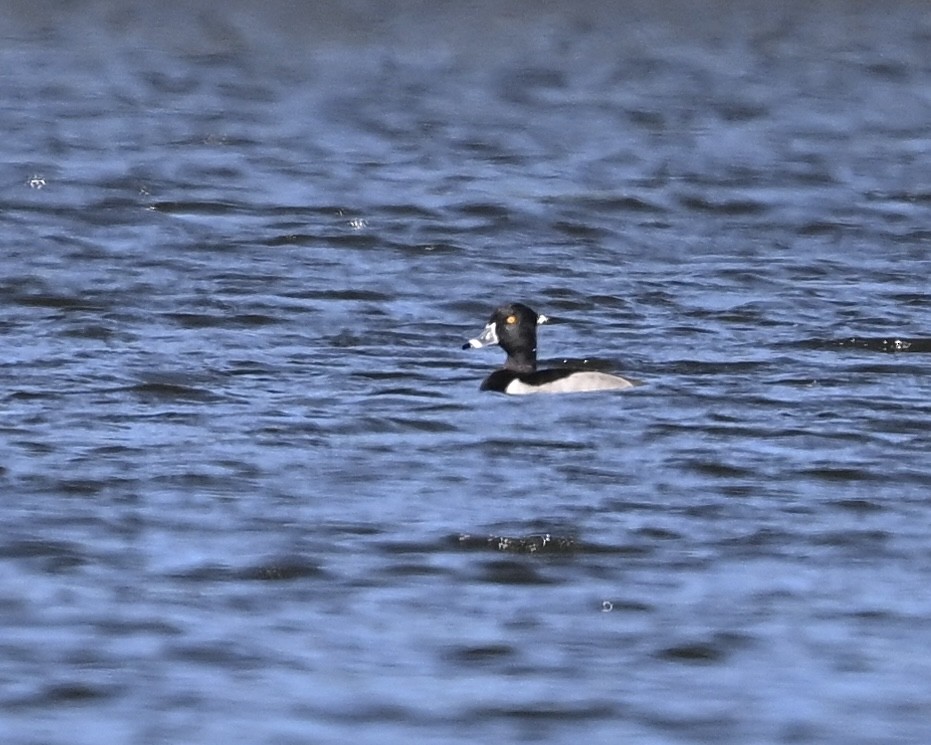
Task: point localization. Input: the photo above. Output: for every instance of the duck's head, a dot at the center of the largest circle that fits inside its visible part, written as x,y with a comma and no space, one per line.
514,328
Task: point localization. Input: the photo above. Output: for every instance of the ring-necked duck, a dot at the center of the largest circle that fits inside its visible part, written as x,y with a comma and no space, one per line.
514,328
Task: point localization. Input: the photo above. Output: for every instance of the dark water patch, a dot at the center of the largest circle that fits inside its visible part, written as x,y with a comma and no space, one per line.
412,212
798,382
53,556
583,307
253,320
913,299
580,231
219,654
889,69
737,430
300,214
59,302
171,83
918,196
545,543
655,533
769,539
94,332
484,210
857,506
615,605
514,573
719,469
435,248
730,208
822,227
700,367
613,204
35,447
348,294
519,83
163,391
201,320
713,727
201,208
352,240
741,491
206,479
292,239
398,570
587,473
880,371
741,112
842,475
397,547
129,627
373,712
397,425
74,692
276,569
503,447
419,390
282,570
352,529
694,653
871,540
880,344
345,339
81,487
481,655
550,713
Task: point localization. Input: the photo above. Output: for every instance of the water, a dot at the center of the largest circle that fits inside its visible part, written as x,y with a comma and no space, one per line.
242,446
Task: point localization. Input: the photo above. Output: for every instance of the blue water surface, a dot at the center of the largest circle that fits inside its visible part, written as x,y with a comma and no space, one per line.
251,492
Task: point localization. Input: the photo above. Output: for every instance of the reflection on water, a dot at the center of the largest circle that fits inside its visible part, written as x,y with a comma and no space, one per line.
246,463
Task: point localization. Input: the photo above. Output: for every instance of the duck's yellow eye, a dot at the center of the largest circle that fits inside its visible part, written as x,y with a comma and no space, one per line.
510,320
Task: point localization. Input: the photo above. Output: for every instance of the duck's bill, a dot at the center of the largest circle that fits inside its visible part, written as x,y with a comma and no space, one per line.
487,338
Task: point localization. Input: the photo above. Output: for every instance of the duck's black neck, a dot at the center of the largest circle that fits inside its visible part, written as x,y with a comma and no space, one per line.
521,360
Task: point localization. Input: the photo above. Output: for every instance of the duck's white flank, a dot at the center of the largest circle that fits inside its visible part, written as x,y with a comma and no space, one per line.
578,382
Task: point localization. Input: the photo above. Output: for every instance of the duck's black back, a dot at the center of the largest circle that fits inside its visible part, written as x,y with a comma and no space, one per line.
499,380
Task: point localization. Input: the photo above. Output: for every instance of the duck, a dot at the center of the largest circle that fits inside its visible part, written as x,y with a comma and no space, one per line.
513,327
